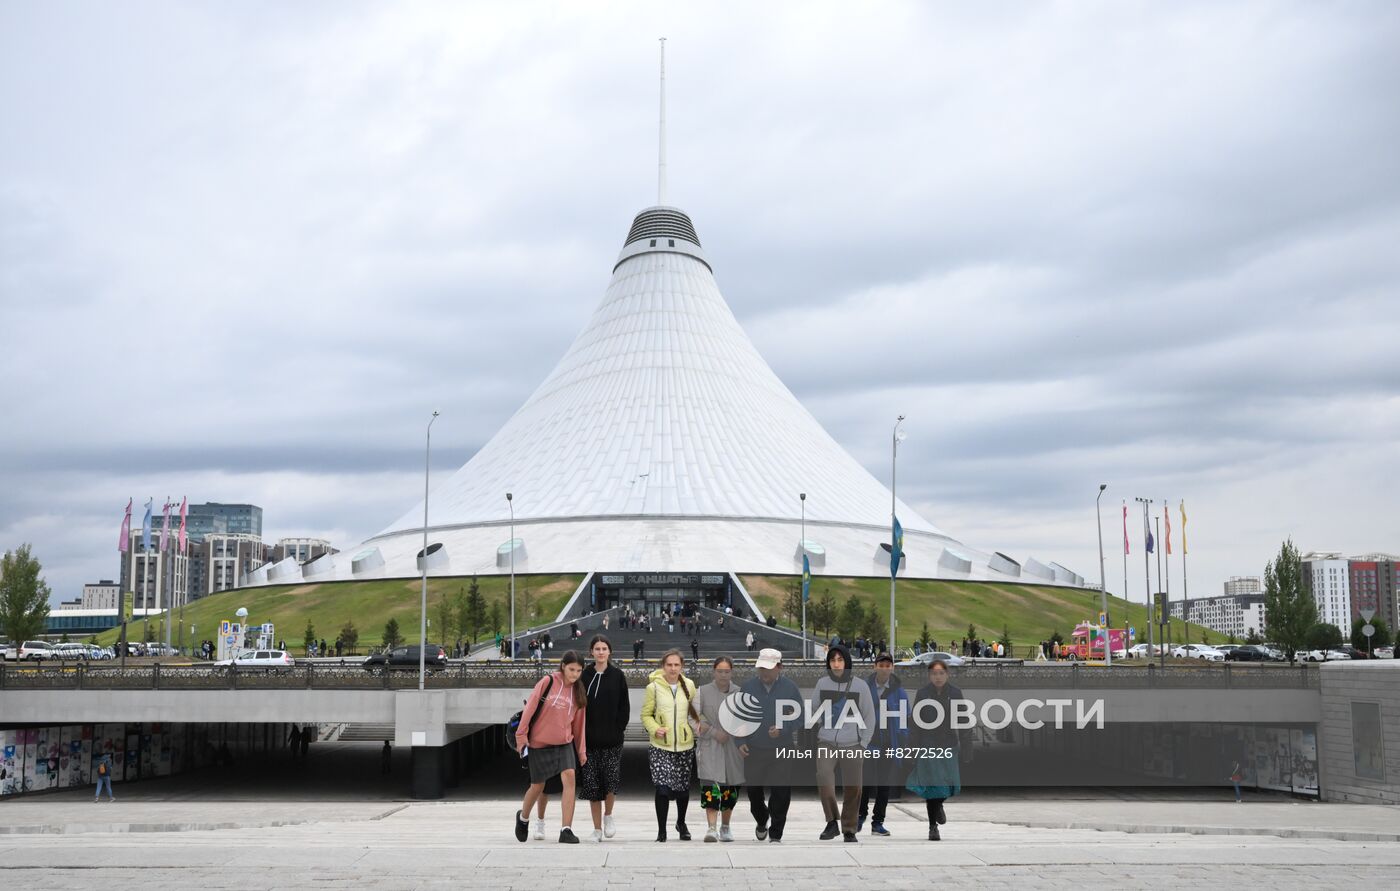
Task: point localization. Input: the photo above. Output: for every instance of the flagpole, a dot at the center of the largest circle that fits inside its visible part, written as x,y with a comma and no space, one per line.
1162,627
894,565
1147,569
1168,588
802,550
1185,589
1125,554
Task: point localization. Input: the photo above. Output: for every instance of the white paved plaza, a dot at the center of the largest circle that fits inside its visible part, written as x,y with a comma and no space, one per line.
62,842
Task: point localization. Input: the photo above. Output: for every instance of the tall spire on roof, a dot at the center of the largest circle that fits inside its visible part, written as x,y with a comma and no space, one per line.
661,167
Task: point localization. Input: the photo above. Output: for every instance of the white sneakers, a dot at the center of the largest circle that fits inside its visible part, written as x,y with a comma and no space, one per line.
539,830
725,835
711,835
609,827
597,835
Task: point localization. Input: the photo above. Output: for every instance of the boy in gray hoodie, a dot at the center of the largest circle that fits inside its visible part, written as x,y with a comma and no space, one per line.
843,735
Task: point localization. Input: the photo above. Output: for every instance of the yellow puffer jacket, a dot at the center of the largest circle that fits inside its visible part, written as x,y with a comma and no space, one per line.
662,709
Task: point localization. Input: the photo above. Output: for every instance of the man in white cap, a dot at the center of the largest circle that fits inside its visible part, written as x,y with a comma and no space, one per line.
762,768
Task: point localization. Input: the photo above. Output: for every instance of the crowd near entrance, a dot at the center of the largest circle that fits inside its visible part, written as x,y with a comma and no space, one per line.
662,594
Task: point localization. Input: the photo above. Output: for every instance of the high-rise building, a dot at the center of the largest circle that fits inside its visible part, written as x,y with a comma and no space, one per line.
303,550
158,579
105,594
1328,576
1375,585
236,519
222,559
1236,614
1244,584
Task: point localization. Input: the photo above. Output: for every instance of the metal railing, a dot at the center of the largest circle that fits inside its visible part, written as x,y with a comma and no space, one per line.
468,675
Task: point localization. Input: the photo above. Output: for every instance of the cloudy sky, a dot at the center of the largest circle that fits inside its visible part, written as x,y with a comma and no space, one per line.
246,248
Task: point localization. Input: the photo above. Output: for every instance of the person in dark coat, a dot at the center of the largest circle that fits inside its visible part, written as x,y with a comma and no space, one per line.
936,777
605,724
881,774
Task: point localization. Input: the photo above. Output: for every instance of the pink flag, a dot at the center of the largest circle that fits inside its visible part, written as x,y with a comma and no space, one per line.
184,503
1167,518
125,542
165,526
1125,528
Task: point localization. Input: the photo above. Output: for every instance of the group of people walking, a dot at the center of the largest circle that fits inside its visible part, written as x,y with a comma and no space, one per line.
572,727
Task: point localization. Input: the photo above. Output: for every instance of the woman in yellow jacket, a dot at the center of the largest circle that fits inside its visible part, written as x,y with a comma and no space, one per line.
666,715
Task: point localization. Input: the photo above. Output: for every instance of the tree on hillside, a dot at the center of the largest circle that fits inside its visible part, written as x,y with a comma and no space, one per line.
309,639
872,623
792,604
852,617
822,614
24,596
472,612
392,636
446,619
1253,639
493,618
1323,636
924,636
1289,608
971,632
1380,639
1005,639
349,636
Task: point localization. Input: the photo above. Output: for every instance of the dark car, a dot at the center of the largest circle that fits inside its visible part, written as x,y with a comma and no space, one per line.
407,657
1247,653
1354,652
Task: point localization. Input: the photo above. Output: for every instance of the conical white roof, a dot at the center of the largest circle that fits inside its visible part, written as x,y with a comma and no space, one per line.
662,407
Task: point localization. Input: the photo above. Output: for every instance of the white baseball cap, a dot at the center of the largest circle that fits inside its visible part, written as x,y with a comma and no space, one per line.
769,658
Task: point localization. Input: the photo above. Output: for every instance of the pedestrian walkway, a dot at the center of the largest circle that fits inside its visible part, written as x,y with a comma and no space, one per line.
387,845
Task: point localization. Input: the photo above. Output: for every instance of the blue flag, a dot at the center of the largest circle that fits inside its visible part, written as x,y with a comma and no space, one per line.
146,527
806,577
896,548
1149,541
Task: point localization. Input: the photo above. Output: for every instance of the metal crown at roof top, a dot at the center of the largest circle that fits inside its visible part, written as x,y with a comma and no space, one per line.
662,222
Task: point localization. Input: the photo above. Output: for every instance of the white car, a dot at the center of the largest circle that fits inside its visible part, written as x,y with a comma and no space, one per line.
35,651
75,651
923,659
260,659
1198,651
1328,656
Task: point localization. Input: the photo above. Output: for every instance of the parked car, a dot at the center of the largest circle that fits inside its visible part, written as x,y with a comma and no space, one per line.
1198,651
407,657
1144,651
923,659
1321,656
264,659
1225,649
1247,653
36,651
71,651
1384,652
98,653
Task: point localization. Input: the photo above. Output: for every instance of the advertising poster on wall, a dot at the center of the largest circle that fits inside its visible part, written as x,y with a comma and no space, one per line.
85,756
131,761
1272,761
1303,744
9,750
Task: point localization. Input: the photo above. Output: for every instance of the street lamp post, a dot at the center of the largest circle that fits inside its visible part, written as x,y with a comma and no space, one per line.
1103,583
802,551
895,437
423,613
510,647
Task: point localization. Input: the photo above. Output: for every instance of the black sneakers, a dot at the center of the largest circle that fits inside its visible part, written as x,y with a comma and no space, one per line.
831,831
849,837
761,832
939,815
933,833
522,828
567,837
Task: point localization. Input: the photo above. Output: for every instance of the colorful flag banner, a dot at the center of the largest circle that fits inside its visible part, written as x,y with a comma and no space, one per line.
1167,518
1147,528
896,548
125,543
1183,527
184,504
1125,528
806,577
146,526
165,527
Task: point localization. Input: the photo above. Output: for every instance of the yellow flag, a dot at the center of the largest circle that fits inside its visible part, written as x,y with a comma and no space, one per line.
1183,526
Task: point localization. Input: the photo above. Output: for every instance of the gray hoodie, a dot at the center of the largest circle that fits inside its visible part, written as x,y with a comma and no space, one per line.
838,689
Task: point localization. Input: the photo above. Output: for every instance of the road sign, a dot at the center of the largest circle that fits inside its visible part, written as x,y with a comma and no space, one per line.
1103,619
1368,629
1132,632
1367,614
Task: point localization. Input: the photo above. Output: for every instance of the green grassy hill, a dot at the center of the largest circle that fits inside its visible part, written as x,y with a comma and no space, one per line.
1030,613
370,604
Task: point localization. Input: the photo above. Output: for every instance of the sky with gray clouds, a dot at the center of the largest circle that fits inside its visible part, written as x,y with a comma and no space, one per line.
246,248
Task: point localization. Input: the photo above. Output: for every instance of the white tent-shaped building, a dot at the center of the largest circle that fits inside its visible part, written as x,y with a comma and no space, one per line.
662,445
